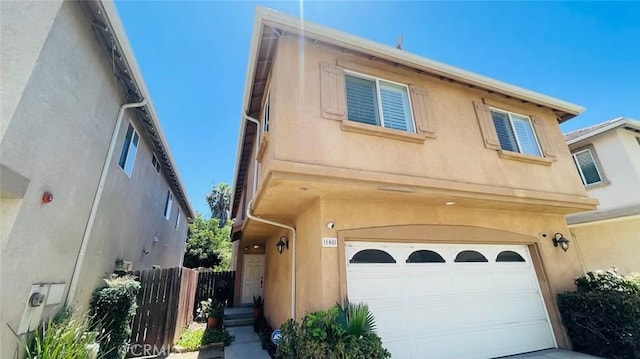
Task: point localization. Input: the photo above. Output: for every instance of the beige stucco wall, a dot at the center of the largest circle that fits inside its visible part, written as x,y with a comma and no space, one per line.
57,140
299,133
610,244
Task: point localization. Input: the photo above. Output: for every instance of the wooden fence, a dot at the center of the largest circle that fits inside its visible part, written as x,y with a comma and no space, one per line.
218,285
165,306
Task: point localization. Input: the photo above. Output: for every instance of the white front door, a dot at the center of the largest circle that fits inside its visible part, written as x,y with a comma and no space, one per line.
453,301
252,277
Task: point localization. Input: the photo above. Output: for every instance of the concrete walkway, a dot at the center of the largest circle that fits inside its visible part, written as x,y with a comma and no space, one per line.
246,346
552,354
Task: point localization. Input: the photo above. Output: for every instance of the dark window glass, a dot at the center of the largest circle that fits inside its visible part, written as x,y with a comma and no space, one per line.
372,256
470,256
425,256
509,256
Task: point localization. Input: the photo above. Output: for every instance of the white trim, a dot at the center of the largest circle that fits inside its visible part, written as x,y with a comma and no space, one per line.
377,81
593,160
156,166
515,134
134,155
178,217
168,204
614,125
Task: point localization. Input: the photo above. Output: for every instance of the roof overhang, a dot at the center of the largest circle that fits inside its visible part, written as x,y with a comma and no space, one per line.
627,123
270,24
106,24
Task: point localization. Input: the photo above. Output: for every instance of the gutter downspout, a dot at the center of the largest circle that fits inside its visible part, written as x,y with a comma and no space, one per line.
293,254
75,277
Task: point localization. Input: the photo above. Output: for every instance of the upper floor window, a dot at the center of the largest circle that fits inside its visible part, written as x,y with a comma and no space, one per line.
178,220
129,149
155,163
378,102
265,112
167,205
587,167
515,132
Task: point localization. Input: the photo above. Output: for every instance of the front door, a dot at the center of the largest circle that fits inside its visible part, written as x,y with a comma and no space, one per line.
252,277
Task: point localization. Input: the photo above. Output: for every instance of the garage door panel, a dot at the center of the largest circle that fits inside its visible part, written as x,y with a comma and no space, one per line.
452,309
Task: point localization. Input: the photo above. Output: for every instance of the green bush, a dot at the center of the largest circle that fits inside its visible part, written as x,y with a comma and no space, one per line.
343,331
66,335
113,308
192,339
603,316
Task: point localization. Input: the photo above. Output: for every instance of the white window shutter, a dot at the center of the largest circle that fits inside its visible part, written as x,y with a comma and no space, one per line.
396,110
362,104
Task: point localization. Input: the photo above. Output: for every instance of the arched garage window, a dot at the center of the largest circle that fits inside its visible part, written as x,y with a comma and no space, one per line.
372,256
470,256
425,256
509,256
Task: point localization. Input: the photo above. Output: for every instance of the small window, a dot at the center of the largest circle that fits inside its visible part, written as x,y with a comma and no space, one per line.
129,149
425,256
265,112
377,102
470,256
168,204
509,256
515,132
372,256
178,220
587,167
155,163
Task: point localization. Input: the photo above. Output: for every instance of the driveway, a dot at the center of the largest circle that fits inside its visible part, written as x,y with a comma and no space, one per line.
552,354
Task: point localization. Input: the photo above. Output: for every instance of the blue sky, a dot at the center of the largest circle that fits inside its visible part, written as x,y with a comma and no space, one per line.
193,56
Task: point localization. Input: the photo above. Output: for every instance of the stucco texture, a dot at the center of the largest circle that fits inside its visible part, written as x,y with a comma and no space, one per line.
610,244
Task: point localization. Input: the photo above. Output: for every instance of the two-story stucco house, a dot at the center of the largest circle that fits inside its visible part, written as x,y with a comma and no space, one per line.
431,193
86,175
607,157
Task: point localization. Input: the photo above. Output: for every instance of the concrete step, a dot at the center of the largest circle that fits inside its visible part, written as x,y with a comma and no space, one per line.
238,315
241,322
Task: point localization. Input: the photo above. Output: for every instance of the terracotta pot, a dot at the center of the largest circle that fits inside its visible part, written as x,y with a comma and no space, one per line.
257,313
213,323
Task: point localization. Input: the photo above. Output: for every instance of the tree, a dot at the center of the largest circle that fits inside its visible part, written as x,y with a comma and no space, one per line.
219,200
208,244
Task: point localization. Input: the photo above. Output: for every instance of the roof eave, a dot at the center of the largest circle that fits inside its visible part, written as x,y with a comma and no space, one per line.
111,14
626,122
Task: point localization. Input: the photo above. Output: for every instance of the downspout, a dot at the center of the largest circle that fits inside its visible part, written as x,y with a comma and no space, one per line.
266,221
293,254
75,277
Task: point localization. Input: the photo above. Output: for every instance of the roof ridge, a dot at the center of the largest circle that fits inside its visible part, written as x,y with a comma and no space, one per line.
599,124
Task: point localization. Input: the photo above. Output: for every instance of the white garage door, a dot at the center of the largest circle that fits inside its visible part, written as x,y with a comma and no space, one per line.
450,301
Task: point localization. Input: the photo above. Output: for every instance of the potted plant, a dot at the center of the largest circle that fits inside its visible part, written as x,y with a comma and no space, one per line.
216,314
258,306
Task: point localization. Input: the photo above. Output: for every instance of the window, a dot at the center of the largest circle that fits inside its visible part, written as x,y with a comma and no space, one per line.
129,149
515,132
509,256
168,204
265,113
425,256
155,163
377,102
178,220
587,167
470,256
372,256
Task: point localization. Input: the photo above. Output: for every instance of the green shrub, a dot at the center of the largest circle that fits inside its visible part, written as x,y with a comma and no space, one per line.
209,308
66,335
340,332
113,308
192,339
603,316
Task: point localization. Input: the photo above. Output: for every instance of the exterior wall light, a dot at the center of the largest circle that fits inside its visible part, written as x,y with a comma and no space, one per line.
559,239
282,244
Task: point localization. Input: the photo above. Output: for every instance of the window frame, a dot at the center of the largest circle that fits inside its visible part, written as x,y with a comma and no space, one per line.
168,204
128,146
178,217
157,166
595,164
515,135
266,111
377,80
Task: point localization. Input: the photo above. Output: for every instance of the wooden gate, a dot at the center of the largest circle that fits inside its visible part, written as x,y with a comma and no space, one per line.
165,307
218,285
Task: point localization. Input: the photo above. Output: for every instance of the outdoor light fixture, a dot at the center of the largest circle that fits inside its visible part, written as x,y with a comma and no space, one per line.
558,239
282,244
